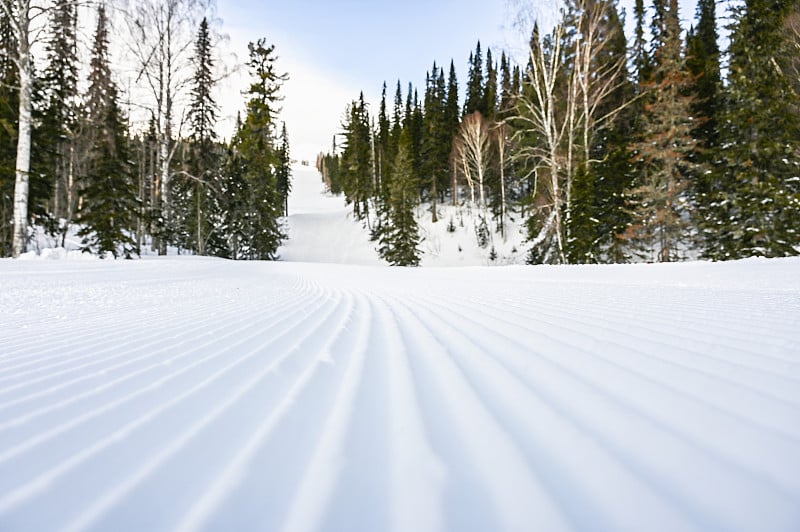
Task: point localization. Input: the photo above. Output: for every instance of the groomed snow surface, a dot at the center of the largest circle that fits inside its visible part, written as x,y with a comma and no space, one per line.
188,393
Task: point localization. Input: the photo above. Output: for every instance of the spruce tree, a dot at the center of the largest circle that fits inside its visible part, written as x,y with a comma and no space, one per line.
256,153
399,240
490,91
284,170
9,107
755,198
703,65
660,230
201,185
109,202
475,86
58,130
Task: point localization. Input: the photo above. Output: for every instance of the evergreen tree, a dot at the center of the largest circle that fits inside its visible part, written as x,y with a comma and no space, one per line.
659,205
9,107
382,142
755,207
703,65
399,240
256,156
490,92
202,184
475,86
357,169
284,170
507,94
57,132
108,197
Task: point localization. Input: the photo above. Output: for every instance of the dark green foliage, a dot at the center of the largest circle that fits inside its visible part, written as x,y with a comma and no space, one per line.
399,240
195,194
256,230
284,170
356,166
109,200
9,107
475,100
754,206
659,204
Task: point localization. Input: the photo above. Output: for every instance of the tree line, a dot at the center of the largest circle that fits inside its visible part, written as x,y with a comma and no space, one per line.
71,161
611,149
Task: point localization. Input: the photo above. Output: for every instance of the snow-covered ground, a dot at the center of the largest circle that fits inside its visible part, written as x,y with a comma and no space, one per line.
188,393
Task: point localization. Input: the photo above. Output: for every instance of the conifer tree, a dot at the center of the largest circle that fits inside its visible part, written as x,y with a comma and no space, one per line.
201,182
399,240
703,65
9,107
257,156
490,91
356,171
475,86
108,196
57,132
284,170
659,205
755,207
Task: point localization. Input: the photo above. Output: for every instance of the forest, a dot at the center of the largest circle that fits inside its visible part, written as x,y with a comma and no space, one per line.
655,147
71,157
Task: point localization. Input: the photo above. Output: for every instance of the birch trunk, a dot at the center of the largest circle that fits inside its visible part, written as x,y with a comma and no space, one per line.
23,163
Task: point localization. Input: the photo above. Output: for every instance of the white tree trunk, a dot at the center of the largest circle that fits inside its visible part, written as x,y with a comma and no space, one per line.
23,164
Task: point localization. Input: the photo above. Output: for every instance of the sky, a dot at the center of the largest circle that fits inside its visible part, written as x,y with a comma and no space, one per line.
334,49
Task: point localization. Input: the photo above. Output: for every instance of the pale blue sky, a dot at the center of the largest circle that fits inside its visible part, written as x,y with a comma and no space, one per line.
333,49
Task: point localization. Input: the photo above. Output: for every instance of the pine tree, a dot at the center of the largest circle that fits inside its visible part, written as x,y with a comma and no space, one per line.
357,169
9,107
200,185
399,240
108,197
284,170
475,86
755,207
703,65
490,91
659,205
256,156
58,130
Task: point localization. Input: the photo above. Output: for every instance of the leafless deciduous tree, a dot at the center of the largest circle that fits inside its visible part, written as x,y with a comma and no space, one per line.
162,37
473,144
24,17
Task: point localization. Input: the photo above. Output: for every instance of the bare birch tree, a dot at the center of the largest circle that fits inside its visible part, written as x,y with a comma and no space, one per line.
501,133
20,14
538,116
474,142
162,38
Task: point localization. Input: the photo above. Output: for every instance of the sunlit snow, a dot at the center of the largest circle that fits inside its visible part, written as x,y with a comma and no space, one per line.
187,393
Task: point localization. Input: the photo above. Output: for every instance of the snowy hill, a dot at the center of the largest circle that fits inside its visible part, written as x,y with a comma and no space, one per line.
321,229
187,393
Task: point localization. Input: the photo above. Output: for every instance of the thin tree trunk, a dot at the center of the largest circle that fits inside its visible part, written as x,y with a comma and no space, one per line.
22,172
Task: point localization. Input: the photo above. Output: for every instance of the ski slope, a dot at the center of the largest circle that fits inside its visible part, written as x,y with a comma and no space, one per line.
198,394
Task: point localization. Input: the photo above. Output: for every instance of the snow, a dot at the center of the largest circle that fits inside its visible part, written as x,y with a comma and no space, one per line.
187,393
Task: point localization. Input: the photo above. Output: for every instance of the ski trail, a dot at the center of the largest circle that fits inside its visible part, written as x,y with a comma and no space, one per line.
43,479
221,333
634,427
319,480
515,496
152,463
537,423
236,470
